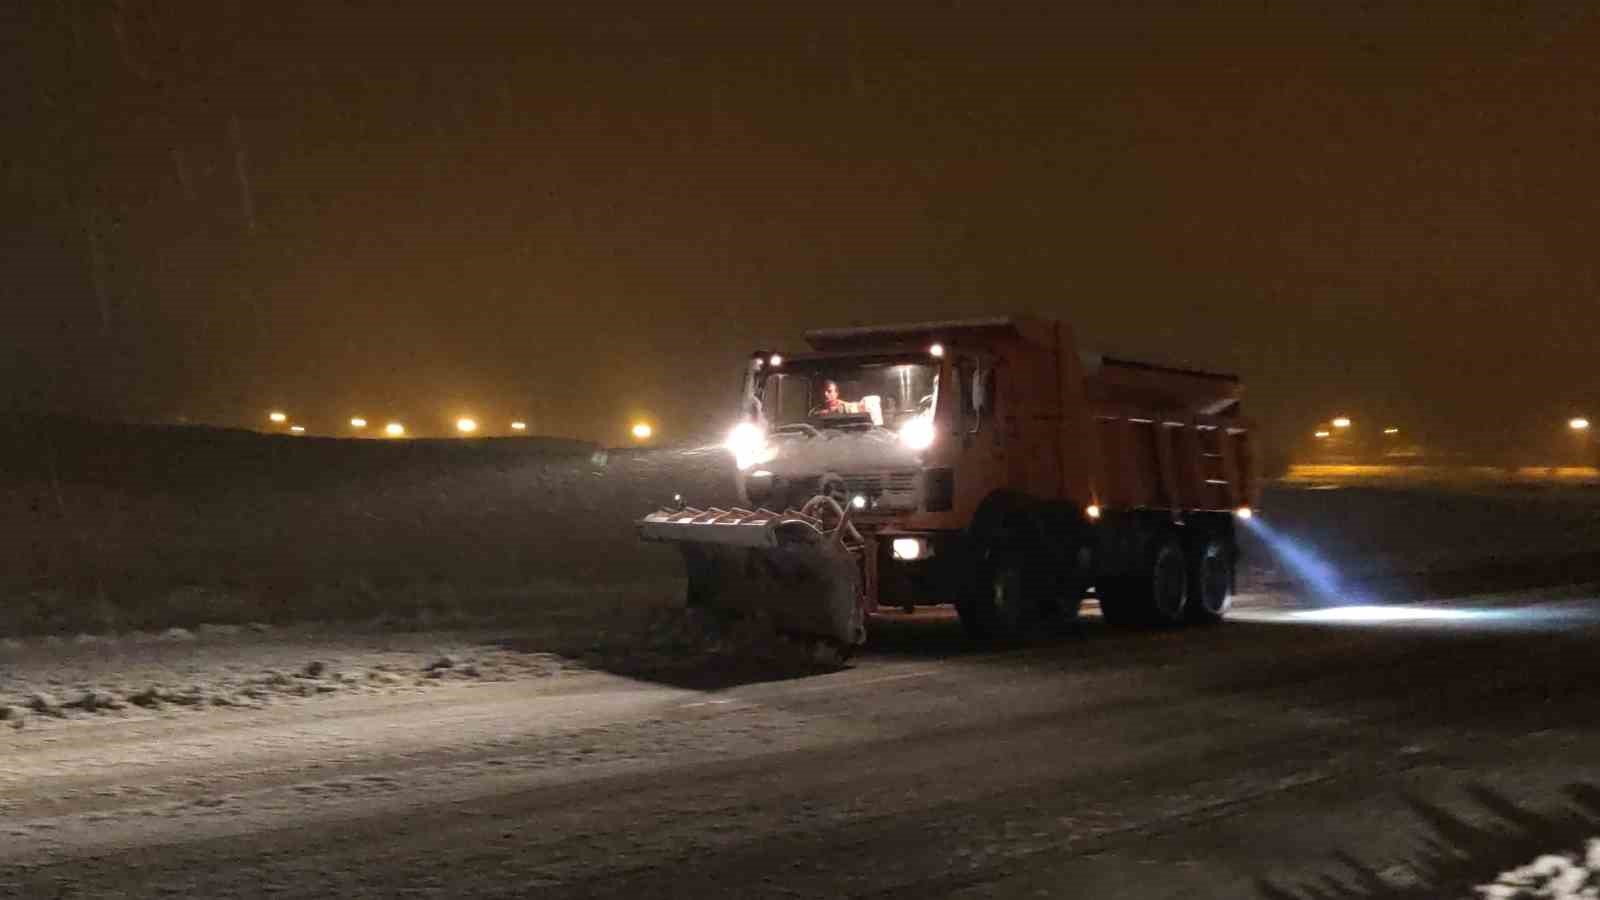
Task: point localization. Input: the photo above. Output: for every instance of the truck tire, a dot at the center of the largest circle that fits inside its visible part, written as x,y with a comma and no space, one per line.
1059,597
1058,611
1157,596
1211,581
999,604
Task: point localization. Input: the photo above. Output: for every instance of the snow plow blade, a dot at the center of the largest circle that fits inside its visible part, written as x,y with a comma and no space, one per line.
791,567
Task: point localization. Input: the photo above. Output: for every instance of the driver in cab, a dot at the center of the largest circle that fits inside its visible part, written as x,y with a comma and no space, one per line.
831,404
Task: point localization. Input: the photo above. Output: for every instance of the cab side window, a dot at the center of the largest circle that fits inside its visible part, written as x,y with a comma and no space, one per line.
786,398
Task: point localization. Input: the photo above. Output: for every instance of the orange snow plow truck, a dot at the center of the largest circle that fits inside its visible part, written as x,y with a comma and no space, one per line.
986,463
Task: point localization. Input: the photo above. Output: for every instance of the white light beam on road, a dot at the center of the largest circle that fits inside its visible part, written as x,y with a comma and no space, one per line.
1562,614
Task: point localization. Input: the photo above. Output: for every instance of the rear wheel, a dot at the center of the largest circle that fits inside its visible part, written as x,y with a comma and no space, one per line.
1211,582
1159,595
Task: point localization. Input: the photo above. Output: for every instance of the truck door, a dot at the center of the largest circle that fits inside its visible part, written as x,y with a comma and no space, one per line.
1029,409
978,432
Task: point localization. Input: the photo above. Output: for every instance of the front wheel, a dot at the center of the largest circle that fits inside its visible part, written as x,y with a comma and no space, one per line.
999,604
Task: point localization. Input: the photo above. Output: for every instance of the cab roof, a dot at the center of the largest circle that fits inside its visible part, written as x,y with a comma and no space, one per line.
889,335
912,336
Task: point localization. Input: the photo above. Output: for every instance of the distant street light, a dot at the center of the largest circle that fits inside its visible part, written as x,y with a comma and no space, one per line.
358,422
1341,422
1322,434
519,426
394,429
298,429
466,425
642,431
1579,427
1391,431
278,417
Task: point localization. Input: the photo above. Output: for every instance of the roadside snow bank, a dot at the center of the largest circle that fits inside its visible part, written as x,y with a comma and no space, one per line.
48,680
52,680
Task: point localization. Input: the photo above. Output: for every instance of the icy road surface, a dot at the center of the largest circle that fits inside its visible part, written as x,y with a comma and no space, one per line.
1247,760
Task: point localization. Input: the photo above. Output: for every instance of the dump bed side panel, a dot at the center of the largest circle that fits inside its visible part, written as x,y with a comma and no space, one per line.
1157,463
1159,389
1171,438
1082,454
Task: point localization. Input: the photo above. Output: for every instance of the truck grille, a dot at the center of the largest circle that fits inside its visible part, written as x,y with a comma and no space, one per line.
880,482
885,490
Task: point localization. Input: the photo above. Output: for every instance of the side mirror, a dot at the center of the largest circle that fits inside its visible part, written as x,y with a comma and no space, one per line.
749,402
978,390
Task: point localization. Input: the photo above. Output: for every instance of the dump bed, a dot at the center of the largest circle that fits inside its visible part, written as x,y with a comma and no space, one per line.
1168,437
1111,383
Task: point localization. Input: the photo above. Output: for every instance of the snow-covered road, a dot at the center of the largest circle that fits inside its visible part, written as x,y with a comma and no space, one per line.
1230,762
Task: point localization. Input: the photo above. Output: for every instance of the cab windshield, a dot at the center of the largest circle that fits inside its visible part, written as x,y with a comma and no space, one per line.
850,394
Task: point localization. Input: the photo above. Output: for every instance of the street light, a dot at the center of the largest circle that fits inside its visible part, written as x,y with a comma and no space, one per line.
358,423
1579,427
466,425
298,429
278,418
1322,434
394,429
1391,431
1341,422
642,431
519,426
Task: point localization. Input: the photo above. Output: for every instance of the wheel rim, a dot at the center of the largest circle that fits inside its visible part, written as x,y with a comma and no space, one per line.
1169,598
1005,594
1214,585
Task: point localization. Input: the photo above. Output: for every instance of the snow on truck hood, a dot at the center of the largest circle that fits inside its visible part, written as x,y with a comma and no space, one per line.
835,450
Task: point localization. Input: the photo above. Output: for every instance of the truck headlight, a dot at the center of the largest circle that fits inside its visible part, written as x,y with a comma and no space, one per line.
917,433
748,444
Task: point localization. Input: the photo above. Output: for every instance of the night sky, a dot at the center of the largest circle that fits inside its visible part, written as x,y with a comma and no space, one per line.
579,213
